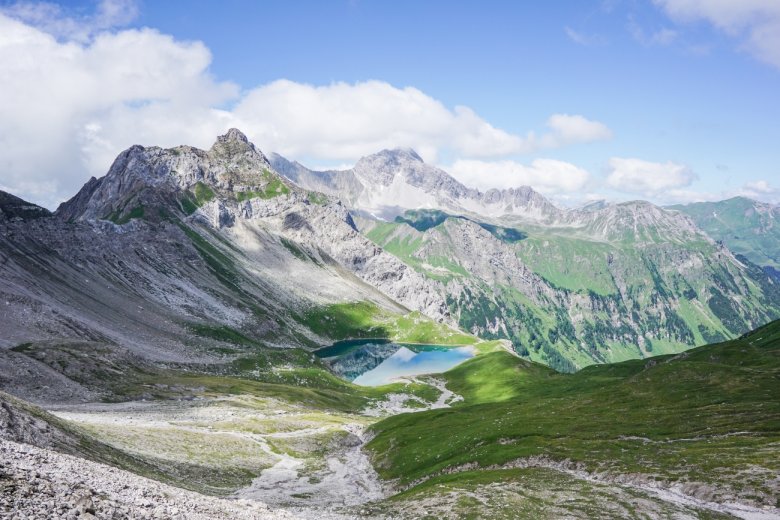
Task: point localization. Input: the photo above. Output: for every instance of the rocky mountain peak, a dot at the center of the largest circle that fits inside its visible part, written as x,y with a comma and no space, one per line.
235,144
519,194
594,205
382,169
395,156
234,134
152,176
637,220
403,154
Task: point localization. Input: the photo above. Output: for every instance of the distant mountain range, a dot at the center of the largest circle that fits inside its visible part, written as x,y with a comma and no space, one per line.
568,287
176,253
387,183
747,227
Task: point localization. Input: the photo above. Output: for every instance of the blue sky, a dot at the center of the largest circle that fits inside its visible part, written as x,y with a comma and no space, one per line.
668,100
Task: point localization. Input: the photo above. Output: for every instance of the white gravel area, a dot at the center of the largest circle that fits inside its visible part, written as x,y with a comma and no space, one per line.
38,483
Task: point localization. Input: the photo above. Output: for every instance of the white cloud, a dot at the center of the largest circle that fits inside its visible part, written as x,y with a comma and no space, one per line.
760,190
73,95
685,196
67,108
586,40
757,22
648,179
545,175
570,129
345,121
759,187
663,36
53,19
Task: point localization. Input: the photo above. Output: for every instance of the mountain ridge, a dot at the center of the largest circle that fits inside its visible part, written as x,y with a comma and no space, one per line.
393,180
748,227
386,184
577,287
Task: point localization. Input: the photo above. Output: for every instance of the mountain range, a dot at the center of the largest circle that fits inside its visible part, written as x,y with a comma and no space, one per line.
748,227
568,287
168,320
179,237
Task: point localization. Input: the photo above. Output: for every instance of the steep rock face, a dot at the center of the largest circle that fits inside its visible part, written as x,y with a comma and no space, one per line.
153,176
342,185
241,186
328,232
523,202
183,226
383,168
638,221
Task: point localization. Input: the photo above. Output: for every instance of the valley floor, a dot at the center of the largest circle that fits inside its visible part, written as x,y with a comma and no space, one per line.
300,456
40,483
272,459
691,436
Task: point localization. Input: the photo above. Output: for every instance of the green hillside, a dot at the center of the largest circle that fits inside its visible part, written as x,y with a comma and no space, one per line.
572,297
707,419
747,227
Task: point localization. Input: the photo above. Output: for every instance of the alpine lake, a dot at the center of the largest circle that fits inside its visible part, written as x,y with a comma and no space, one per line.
376,362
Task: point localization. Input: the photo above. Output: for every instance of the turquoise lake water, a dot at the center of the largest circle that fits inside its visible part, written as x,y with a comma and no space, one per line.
378,362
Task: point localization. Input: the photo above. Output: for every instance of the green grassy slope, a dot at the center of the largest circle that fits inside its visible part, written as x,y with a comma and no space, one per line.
364,319
747,227
709,416
568,298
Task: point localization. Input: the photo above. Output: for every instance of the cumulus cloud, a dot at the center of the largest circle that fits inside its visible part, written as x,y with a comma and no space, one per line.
755,22
67,108
570,129
53,19
759,187
75,91
760,190
545,175
648,179
345,121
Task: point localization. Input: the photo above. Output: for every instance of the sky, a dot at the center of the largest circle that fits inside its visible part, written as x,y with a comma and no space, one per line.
671,101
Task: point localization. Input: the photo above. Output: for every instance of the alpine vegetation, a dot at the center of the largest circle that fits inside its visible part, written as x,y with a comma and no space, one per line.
382,260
